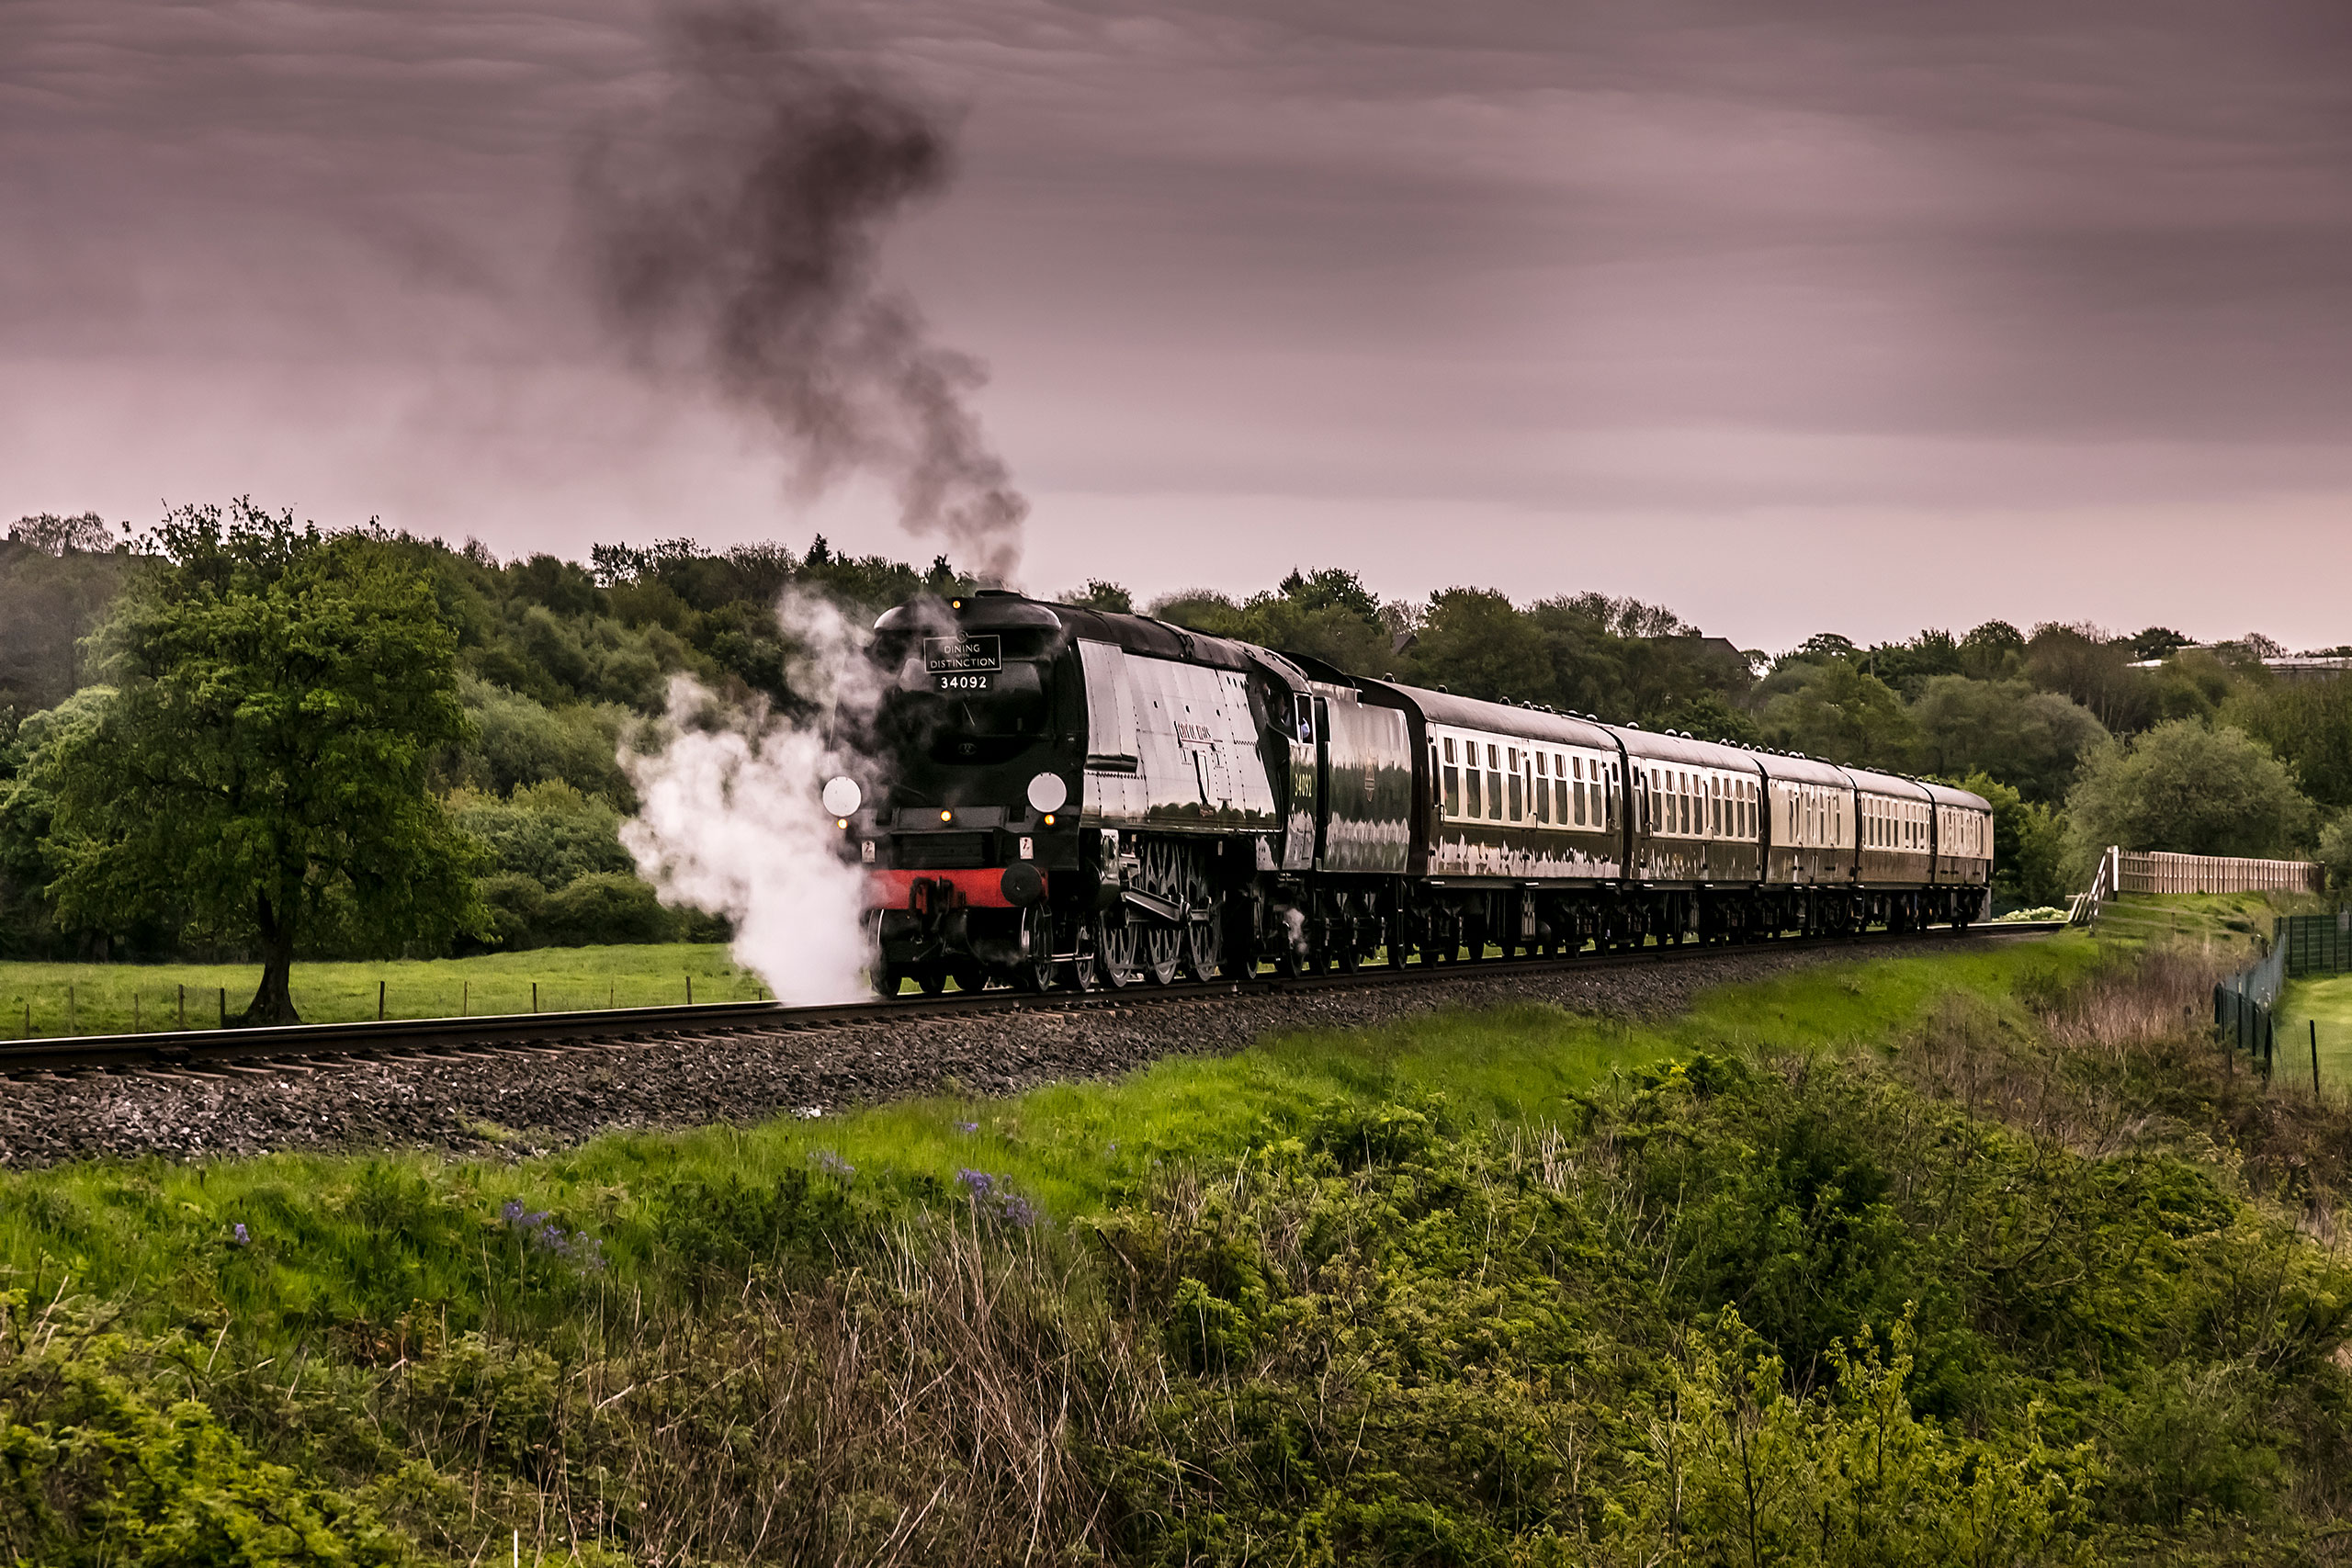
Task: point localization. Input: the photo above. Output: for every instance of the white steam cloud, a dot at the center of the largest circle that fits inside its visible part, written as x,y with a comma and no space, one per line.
729,818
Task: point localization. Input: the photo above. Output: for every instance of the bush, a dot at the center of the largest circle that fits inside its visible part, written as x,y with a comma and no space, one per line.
549,832
604,907
516,903
2028,845
518,741
2190,789
103,1462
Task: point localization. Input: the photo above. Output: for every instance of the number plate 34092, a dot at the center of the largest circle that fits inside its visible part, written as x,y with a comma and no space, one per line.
965,683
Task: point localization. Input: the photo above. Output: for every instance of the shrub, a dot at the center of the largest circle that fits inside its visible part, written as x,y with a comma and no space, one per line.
603,907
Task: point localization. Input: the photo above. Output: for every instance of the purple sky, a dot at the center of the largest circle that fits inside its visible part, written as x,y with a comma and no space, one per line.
1790,316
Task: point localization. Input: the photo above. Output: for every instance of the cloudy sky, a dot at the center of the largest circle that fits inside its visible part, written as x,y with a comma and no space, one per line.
1790,314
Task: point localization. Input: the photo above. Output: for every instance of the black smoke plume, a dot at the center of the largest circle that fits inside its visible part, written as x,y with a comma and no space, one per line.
734,226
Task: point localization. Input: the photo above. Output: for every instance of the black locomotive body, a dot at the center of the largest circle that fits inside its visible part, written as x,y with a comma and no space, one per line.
1073,796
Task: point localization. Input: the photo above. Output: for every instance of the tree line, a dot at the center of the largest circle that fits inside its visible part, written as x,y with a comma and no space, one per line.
236,734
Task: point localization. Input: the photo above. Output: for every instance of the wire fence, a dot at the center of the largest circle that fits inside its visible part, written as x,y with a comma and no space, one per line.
2245,1005
104,1000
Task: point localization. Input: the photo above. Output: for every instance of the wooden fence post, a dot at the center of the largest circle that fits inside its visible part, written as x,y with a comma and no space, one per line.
379,1001
73,1018
690,990
2314,1023
225,1007
183,1006
535,996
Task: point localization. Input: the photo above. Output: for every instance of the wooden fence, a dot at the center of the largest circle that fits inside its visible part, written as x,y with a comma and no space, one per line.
2157,872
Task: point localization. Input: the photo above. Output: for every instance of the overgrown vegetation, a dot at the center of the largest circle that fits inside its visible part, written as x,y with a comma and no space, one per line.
2046,1285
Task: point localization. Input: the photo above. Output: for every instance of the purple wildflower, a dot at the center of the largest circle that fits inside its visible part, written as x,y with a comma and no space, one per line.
967,1126
979,1182
243,1239
832,1164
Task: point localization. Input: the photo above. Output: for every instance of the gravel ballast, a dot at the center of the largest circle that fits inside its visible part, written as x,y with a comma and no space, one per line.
530,1101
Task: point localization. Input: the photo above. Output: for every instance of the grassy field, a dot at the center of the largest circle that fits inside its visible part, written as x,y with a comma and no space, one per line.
40,1000
2218,917
1072,1148
2328,1003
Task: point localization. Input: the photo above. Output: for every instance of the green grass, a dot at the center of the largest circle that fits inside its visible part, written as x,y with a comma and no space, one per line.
2328,1003
339,1238
41,999
2221,919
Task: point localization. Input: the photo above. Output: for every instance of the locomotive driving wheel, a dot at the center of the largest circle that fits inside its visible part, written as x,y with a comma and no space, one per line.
1204,918
1161,943
1114,949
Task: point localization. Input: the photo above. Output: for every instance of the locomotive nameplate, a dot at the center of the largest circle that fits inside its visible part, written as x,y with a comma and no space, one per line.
963,663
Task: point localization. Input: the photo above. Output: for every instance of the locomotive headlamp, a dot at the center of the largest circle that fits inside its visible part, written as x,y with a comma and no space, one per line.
840,821
1049,818
1048,792
947,816
843,797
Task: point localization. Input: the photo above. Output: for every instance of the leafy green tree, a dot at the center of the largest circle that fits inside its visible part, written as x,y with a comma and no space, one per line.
279,693
1993,651
2094,669
2035,741
1907,666
2336,852
2189,788
2028,845
1838,712
1476,644
2307,724
50,598
1331,589
2159,642
1099,595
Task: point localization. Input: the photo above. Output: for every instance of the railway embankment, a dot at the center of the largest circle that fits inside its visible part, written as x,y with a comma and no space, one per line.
1974,1252
512,1097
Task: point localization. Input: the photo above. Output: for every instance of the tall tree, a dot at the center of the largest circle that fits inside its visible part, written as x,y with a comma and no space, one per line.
279,693
2189,788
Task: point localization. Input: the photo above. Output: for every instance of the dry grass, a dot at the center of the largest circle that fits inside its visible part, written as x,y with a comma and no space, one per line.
934,1407
2124,1058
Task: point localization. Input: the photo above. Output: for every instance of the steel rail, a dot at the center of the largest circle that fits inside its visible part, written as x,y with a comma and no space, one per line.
428,1036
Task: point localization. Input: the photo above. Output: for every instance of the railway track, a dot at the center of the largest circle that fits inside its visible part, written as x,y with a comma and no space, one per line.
304,1048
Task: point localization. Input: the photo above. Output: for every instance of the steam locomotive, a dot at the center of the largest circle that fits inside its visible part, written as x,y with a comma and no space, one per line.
1071,797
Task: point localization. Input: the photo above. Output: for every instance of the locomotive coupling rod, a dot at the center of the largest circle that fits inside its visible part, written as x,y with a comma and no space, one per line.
1153,905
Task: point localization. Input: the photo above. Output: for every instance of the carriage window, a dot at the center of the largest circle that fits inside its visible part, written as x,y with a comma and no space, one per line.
1543,790
1473,808
1517,801
1495,789
1453,787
